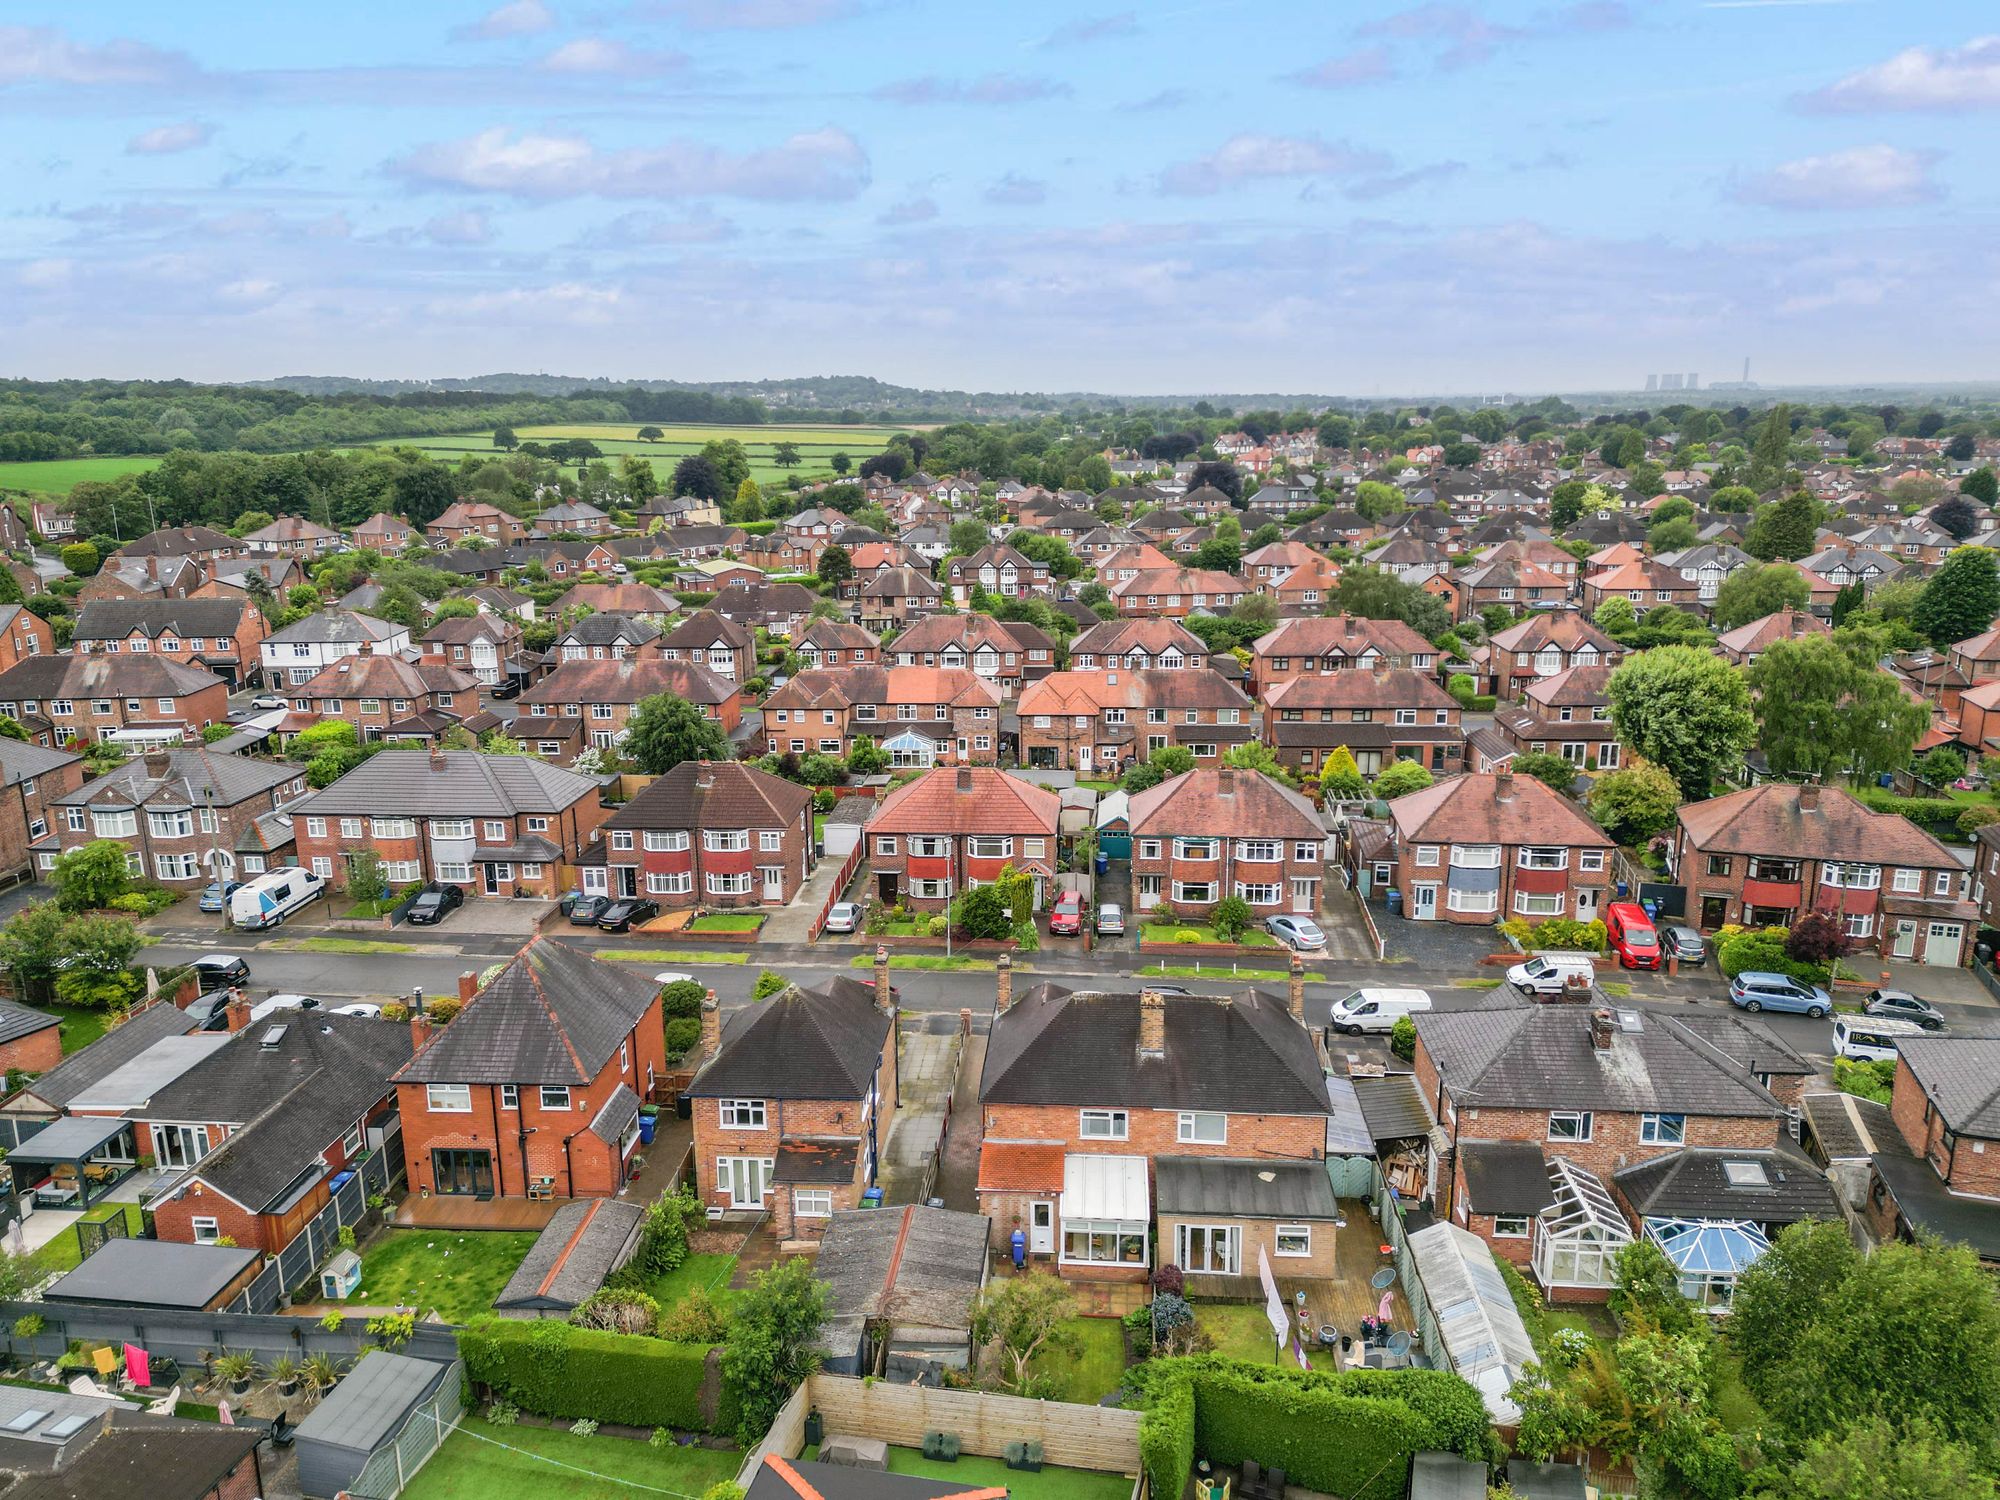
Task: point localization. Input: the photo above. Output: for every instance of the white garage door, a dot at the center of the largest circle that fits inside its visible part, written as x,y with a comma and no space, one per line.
1942,942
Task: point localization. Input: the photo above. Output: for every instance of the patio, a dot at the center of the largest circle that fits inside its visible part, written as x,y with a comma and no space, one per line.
73,1166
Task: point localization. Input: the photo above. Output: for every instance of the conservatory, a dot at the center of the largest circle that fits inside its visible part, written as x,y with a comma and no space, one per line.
1578,1238
1709,1254
911,751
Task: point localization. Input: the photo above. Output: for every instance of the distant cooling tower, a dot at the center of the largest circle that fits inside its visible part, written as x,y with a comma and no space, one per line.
1652,382
1694,381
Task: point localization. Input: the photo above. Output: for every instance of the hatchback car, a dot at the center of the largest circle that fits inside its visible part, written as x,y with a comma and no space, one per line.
209,1012
507,687
367,1010
621,914
582,910
215,895
1110,920
218,971
1681,942
1755,991
274,1005
843,916
1300,933
1066,917
434,903
1901,1005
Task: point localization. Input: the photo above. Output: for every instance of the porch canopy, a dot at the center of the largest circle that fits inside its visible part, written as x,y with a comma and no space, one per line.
72,1142
1483,1334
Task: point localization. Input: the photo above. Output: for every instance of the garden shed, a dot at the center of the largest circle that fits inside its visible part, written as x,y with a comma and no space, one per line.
586,1240
1484,1337
906,1277
364,1414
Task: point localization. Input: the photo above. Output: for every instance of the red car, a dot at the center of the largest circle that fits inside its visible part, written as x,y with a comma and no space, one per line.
1066,918
1631,935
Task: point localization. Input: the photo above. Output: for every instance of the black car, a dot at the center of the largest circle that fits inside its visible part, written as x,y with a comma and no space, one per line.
433,902
582,910
218,971
622,913
210,1012
506,687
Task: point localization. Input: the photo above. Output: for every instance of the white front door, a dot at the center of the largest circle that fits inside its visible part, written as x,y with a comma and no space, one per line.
1302,896
1905,944
1424,905
1942,942
1083,757
1586,904
1042,1228
1209,1249
774,882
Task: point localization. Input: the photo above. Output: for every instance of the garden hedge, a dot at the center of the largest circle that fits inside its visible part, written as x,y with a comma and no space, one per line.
1351,1433
556,1370
1933,813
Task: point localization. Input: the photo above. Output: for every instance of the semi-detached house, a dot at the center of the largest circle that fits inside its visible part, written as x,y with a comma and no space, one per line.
1379,716
185,817
1099,722
922,716
1480,849
60,698
938,836
1204,835
708,833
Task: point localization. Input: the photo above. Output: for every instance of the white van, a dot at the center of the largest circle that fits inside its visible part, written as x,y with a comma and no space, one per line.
270,898
1375,1010
1871,1038
1551,973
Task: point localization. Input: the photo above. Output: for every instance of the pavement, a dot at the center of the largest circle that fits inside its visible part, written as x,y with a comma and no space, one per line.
793,922
926,1073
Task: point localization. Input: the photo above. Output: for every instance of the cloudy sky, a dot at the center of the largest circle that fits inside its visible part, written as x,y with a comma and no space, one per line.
1336,196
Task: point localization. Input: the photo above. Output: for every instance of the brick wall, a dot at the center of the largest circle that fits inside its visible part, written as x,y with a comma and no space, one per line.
25,802
1154,1132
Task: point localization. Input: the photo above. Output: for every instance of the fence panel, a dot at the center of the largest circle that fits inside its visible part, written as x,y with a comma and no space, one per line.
391,1468
1429,1336
1077,1437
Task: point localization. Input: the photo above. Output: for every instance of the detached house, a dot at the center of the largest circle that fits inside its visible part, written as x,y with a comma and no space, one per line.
533,1089
794,1100
1204,835
470,518
836,643
712,834
727,649
1380,716
1479,849
1569,715
1105,1118
383,532
296,537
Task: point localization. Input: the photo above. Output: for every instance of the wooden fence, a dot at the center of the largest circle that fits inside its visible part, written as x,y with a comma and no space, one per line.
847,868
786,1439
1074,1437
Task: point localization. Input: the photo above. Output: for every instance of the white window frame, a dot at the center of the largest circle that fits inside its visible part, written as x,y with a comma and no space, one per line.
555,1096
1300,1234
1112,1125
1189,1123
1512,1226
442,1098
1582,1119
1654,1130
812,1203
742,1114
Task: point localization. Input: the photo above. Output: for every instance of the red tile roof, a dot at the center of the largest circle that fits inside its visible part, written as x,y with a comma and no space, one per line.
1772,819
1493,809
951,802
1020,1167
1226,803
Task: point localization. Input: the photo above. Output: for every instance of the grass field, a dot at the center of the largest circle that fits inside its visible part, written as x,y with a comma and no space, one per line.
484,1462
80,1027
672,956
55,476
816,445
458,1274
1169,932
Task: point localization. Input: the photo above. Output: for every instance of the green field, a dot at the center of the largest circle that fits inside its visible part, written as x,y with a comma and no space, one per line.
816,445
56,476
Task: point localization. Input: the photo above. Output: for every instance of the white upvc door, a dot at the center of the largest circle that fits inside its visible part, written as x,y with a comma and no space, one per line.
1424,905
1302,896
1042,1227
1210,1249
1905,944
774,882
745,1178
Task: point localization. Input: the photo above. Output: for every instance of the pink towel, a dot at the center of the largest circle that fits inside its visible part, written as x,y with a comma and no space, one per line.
222,1414
138,1365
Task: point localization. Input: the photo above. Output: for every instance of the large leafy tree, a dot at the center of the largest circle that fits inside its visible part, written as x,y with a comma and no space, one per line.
664,731
1027,1317
1784,528
91,875
1686,711
1823,705
1635,803
1960,599
1752,593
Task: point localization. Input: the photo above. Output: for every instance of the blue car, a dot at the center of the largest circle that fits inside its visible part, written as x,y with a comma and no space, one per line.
215,895
1755,991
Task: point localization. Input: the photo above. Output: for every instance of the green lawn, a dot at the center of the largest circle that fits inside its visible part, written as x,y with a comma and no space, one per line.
670,956
1213,971
921,961
1241,1331
1169,932
993,1473
56,476
63,1253
711,1271
1098,1367
458,1274
1738,1409
79,1027
727,922
356,946
551,1463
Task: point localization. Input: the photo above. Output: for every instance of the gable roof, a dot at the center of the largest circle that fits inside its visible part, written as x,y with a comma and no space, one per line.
337,627
1342,635
187,779
110,1052
1230,803
800,1044
1961,1077
715,794
1772,818
100,675
954,801
609,681
189,619
1493,808
462,783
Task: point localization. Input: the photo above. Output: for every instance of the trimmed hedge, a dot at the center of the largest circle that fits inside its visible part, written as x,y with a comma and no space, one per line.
556,1370
1932,813
1351,1433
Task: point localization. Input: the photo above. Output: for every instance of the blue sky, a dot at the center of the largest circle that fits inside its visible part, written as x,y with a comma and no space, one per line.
1342,196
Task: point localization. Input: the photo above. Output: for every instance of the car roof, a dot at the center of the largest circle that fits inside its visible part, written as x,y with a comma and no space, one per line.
1889,1025
218,958
1765,976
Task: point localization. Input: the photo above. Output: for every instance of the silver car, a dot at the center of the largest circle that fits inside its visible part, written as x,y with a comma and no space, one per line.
1110,919
845,916
1300,933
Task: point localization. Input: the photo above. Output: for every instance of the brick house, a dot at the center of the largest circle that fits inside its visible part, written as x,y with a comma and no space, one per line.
471,518
923,716
497,825
181,543
296,537
260,1126
1762,856
937,836
836,643
708,834
181,814
1204,835
60,698
1478,849
1178,592
779,607
793,1101
639,600
388,697
1569,715
1646,583
23,634
1942,1107
223,636
727,649
1743,645
575,517
30,1039
33,778
485,647
607,638
1107,1116
302,650
585,705
1381,716
383,532
1315,645
533,1089
1000,570
1511,586
1543,645
1006,653
1138,645
894,597
1099,722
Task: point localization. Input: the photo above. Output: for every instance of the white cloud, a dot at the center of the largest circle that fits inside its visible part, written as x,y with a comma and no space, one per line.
517,18
917,210
162,140
702,227
1921,78
1251,158
250,292
1016,191
46,275
824,165
468,227
601,55
42,54
1860,177
1091,29
565,301
1363,65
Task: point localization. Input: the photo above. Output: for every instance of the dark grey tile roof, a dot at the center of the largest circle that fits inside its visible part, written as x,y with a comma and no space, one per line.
910,1265
189,619
144,1457
833,1482
21,761
337,627
605,630
1933,1208
1062,1046
102,676
1393,1106
585,1242
1505,1177
554,1015
470,785
1540,1057
188,776
1691,1184
117,1047
1238,1188
1961,1076
799,1044
610,1121
17,1021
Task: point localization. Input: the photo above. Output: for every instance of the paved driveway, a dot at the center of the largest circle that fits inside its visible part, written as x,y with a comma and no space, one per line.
1443,947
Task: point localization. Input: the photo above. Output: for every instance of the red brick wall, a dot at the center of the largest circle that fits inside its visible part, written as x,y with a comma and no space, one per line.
174,1220
1409,873
22,803
36,1053
1969,1165
1152,1132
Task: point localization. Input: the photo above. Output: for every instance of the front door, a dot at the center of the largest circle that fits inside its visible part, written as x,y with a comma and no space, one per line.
628,880
885,886
1905,943
1425,905
461,1174
1208,1249
489,879
1714,912
1586,904
1942,941
1042,1228
774,882
1302,896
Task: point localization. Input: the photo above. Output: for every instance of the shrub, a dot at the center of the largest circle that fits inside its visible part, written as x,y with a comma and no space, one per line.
1977,816
1762,950
769,982
1403,1038
1816,937
683,1036
1865,1078
695,1319
443,1009
1231,918
619,1309
682,998
1170,1278
558,1371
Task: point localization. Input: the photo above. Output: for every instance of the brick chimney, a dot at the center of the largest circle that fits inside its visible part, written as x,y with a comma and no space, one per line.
965,778
468,985
1152,1024
704,775
158,764
1225,782
1503,786
238,1010
1295,999
437,756
1601,1027
1808,797
711,1027
1003,984
420,1029
884,999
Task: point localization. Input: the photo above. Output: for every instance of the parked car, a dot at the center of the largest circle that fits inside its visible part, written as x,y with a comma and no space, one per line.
1300,933
1630,932
265,702
507,687
1551,973
843,916
215,895
218,971
1679,941
621,914
272,1005
209,1012
1871,1038
1901,1005
1754,991
582,910
367,1009
672,976
1110,920
434,902
1066,917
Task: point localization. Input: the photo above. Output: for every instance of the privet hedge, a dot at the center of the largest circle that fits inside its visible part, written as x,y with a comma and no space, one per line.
1350,1434
556,1370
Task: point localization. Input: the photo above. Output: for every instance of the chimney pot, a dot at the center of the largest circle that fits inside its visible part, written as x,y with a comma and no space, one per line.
1600,1029
1003,980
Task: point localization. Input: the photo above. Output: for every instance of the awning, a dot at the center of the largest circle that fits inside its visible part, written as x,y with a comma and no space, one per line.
1105,1187
70,1139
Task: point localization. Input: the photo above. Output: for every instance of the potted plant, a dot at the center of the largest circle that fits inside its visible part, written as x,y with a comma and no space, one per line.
320,1373
238,1368
286,1372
